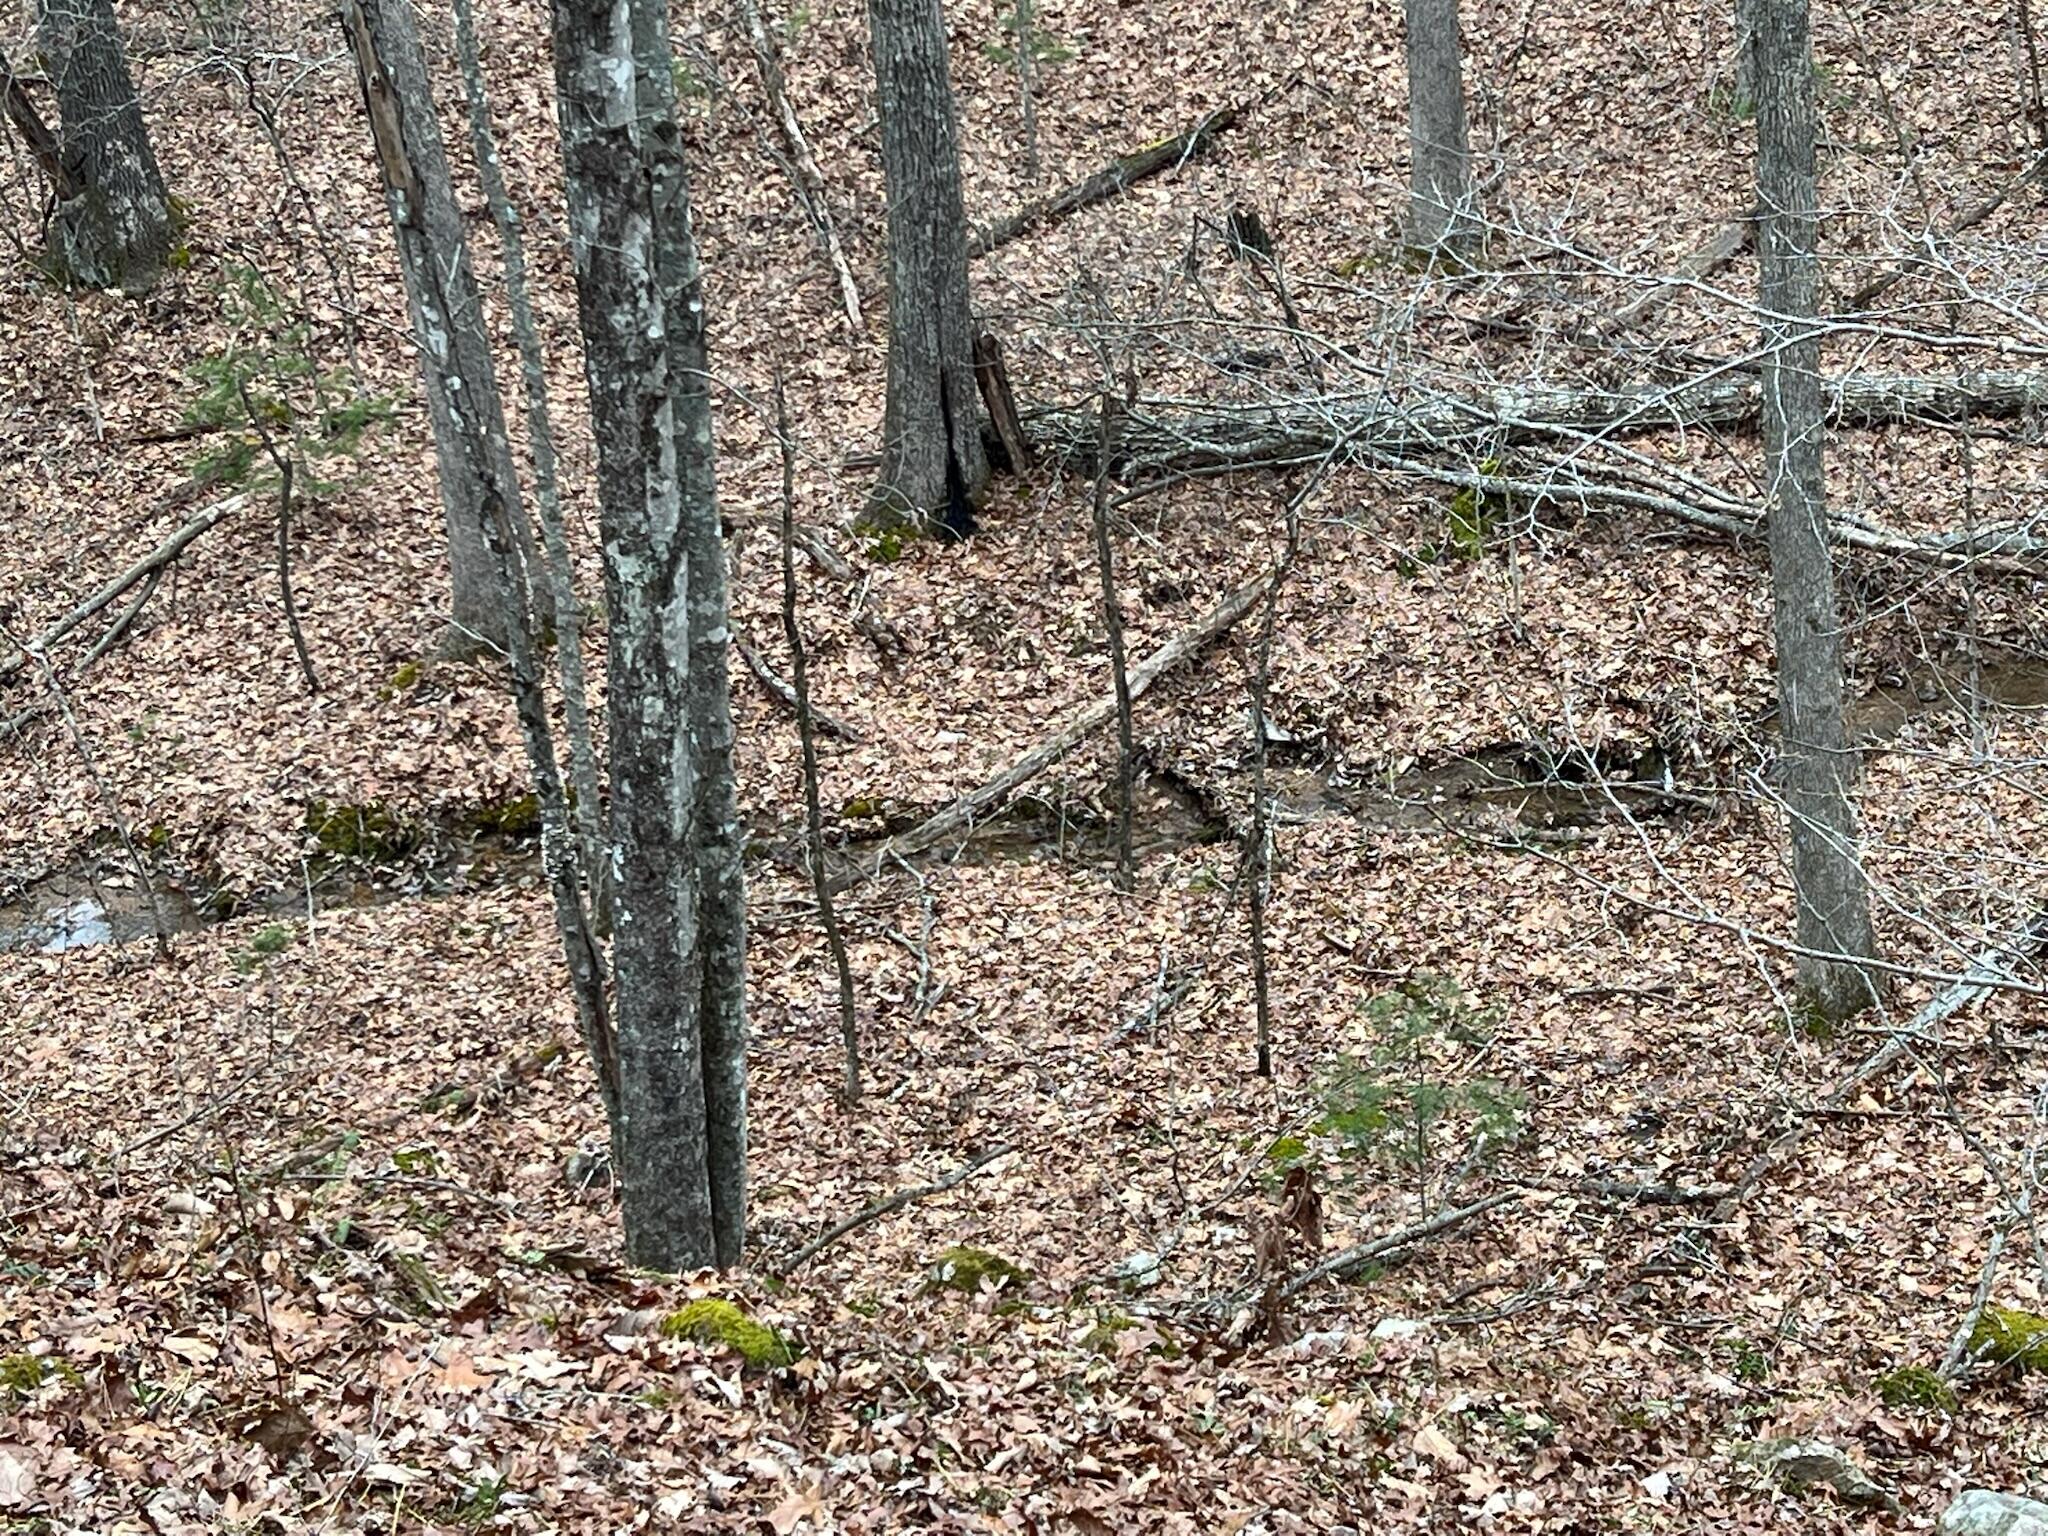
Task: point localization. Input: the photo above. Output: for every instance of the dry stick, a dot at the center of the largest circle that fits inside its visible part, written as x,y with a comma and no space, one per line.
1393,1242
1082,723
1886,280
814,815
1730,241
883,1207
1113,621
769,679
1024,13
810,183
42,144
561,571
155,560
1118,176
284,535
1958,1357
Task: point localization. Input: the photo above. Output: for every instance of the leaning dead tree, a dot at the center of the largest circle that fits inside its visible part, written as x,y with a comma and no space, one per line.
1818,770
446,308
113,226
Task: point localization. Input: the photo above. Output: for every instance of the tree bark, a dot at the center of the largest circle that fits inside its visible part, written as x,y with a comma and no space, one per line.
934,470
113,226
1441,203
1816,766
474,453
679,943
447,313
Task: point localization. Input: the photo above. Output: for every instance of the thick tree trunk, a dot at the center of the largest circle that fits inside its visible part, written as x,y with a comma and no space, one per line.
447,312
934,470
113,226
679,940
1818,769
1441,205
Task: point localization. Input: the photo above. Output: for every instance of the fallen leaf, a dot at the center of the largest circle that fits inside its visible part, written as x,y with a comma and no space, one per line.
796,1507
17,1477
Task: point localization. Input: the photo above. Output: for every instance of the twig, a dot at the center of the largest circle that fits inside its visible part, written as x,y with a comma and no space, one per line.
784,694
1113,623
1394,1242
883,1207
284,534
814,816
205,1111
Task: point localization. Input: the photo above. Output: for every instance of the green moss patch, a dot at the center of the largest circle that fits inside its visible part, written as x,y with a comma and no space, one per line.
964,1269
22,1374
516,817
371,833
712,1320
2008,1336
1915,1386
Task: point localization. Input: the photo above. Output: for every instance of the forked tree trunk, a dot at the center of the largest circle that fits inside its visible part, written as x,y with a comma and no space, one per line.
113,227
678,904
1441,205
1817,767
934,469
447,312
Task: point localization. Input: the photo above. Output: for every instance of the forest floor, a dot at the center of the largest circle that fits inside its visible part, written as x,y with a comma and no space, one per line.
297,1222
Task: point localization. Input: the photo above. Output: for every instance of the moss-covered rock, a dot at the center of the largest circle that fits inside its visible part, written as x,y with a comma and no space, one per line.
371,833
1915,1386
964,1269
2008,1336
713,1320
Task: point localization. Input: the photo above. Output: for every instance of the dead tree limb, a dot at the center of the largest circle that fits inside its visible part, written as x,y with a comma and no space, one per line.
42,144
787,695
883,1207
1730,241
993,379
1077,727
1119,176
13,661
1159,442
810,182
1882,283
1395,1241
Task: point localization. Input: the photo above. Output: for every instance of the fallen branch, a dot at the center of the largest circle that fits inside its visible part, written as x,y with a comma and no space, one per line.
1979,978
454,1099
1077,727
782,691
883,1207
1883,282
155,560
1156,442
1394,1242
1730,241
1119,176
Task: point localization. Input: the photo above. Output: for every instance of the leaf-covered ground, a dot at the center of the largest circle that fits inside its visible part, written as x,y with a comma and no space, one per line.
302,1225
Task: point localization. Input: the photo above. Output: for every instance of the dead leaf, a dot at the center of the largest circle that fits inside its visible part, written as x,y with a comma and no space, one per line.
798,1506
17,1477
1439,1447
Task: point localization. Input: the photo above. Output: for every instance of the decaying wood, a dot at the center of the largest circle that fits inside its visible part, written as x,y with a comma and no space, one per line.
993,378
1077,727
883,1207
785,695
1119,176
35,133
1158,442
457,1099
155,560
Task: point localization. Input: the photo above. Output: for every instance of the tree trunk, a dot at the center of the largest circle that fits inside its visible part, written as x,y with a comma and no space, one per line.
470,433
678,903
447,313
1817,768
934,469
1441,203
113,226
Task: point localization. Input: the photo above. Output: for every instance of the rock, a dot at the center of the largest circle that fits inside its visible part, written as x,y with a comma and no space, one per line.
1797,1465
1980,1512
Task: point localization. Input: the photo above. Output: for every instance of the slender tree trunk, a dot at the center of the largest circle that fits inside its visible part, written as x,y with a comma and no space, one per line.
1441,202
113,226
934,470
678,902
1818,768
471,440
447,313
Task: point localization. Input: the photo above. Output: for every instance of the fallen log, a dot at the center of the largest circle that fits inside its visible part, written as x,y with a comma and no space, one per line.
1119,176
957,817
154,561
1157,441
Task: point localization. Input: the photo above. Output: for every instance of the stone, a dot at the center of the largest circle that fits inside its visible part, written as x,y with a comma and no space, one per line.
1980,1512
